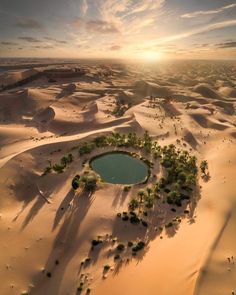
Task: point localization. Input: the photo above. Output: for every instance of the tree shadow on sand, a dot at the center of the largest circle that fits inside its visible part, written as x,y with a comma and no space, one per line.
63,207
66,242
26,191
39,203
29,190
162,220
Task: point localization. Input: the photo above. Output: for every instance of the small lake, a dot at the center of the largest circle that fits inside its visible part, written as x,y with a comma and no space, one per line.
120,168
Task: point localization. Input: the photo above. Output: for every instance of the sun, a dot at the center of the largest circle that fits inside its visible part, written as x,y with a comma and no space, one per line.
150,56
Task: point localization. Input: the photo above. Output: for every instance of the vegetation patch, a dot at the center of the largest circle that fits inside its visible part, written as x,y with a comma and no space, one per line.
120,108
87,182
59,167
138,247
175,187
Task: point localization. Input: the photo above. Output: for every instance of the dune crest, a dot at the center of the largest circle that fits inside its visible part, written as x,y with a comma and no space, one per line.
47,228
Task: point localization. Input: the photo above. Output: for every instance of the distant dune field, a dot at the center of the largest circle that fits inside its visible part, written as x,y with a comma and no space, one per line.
47,228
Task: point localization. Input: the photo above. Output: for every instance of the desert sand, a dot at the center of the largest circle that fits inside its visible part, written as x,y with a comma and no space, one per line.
46,228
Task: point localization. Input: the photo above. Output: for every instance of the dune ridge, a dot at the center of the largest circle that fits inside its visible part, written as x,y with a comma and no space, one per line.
53,226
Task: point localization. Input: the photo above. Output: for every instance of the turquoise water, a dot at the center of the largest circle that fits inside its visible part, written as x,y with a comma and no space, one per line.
120,168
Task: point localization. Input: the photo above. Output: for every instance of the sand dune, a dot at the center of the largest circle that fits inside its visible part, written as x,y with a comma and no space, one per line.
207,123
14,77
206,91
67,90
227,107
190,139
15,105
144,88
44,116
53,226
228,91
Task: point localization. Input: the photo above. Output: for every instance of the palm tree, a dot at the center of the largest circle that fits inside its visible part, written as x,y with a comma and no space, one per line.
132,139
90,183
142,195
204,167
149,191
133,204
75,182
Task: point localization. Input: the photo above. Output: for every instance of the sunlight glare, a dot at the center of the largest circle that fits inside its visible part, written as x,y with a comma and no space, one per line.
151,56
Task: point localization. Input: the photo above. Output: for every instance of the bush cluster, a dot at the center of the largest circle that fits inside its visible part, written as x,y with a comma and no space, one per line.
87,181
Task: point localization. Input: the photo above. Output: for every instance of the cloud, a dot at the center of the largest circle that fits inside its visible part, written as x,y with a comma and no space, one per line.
96,26
115,47
142,6
124,8
30,39
208,12
78,22
124,19
207,28
84,7
29,23
100,26
231,44
55,40
9,43
44,47
202,45
131,16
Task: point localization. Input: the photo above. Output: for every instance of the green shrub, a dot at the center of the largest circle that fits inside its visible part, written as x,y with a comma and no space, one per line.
120,247
149,202
144,223
138,247
58,168
66,160
170,224
100,141
96,242
134,220
75,182
204,167
127,188
89,182
133,204
125,217
162,183
106,268
130,244
86,148
47,170
116,257
166,163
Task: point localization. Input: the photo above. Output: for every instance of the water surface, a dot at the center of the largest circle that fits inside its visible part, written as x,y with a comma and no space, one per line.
120,168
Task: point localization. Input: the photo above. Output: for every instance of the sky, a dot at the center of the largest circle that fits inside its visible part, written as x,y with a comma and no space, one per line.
147,29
